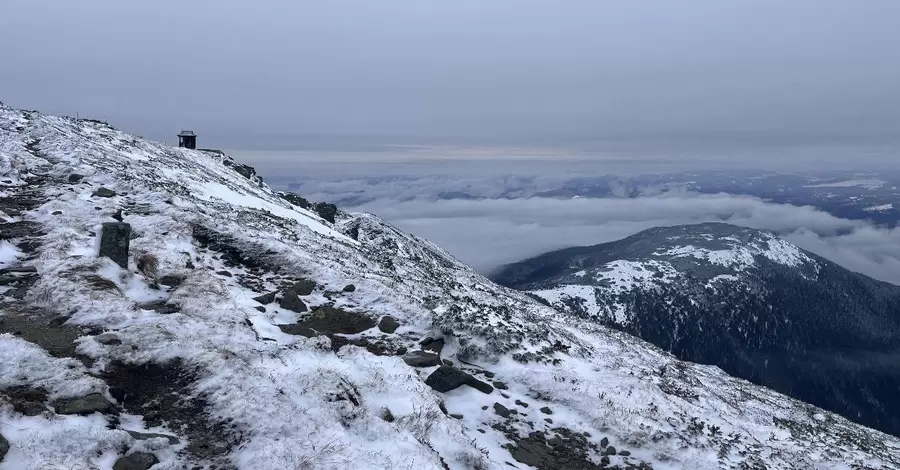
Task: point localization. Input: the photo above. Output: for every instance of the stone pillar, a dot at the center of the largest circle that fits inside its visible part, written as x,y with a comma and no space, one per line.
114,240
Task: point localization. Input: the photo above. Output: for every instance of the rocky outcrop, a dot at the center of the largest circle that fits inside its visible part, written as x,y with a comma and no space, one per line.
447,378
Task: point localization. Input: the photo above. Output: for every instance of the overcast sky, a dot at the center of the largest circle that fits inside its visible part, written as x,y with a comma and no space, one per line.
302,74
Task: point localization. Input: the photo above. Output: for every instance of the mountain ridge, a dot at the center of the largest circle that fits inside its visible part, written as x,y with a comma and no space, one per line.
252,341
743,300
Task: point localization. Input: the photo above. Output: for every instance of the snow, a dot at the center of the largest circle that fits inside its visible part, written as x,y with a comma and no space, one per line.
880,208
279,391
868,183
8,254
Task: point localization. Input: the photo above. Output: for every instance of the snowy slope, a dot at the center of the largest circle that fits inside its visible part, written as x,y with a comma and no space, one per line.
219,375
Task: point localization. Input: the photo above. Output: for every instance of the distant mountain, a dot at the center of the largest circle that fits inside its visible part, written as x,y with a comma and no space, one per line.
741,299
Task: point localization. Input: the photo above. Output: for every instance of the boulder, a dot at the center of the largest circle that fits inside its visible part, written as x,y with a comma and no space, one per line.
292,301
501,410
302,287
298,330
432,344
75,177
604,442
421,359
266,299
447,378
335,320
30,408
143,436
388,324
136,461
160,306
546,410
104,192
624,453
114,240
172,280
610,451
4,447
85,405
349,288
500,385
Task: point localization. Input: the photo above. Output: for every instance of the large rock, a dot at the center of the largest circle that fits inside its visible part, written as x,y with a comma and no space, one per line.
292,301
432,344
388,324
104,192
302,287
143,436
448,378
85,405
335,320
266,299
421,359
4,447
136,461
114,240
298,330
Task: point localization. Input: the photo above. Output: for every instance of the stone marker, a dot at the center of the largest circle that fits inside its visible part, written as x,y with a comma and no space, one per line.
114,240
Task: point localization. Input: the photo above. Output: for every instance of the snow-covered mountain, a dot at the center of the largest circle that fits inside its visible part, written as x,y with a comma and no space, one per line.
744,300
245,331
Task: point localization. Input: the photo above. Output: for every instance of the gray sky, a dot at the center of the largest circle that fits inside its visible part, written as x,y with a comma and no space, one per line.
305,74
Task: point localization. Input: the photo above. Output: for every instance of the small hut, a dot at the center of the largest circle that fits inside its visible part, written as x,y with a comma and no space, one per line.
187,139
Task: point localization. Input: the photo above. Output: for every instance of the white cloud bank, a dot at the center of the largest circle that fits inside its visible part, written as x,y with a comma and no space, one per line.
488,233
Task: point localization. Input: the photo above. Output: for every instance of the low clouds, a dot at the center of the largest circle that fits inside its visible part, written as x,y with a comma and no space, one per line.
490,232
492,214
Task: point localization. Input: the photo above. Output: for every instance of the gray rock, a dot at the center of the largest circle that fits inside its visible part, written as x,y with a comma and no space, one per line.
172,280
114,240
335,320
501,410
75,177
421,359
160,306
266,299
447,378
604,442
388,324
604,460
260,308
349,288
4,447
625,453
108,339
302,287
546,410
522,403
104,192
224,273
136,461
610,450
500,385
143,436
431,344
298,330
291,301
31,408
85,405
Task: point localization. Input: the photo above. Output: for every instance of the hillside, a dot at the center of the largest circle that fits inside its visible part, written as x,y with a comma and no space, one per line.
744,300
244,331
